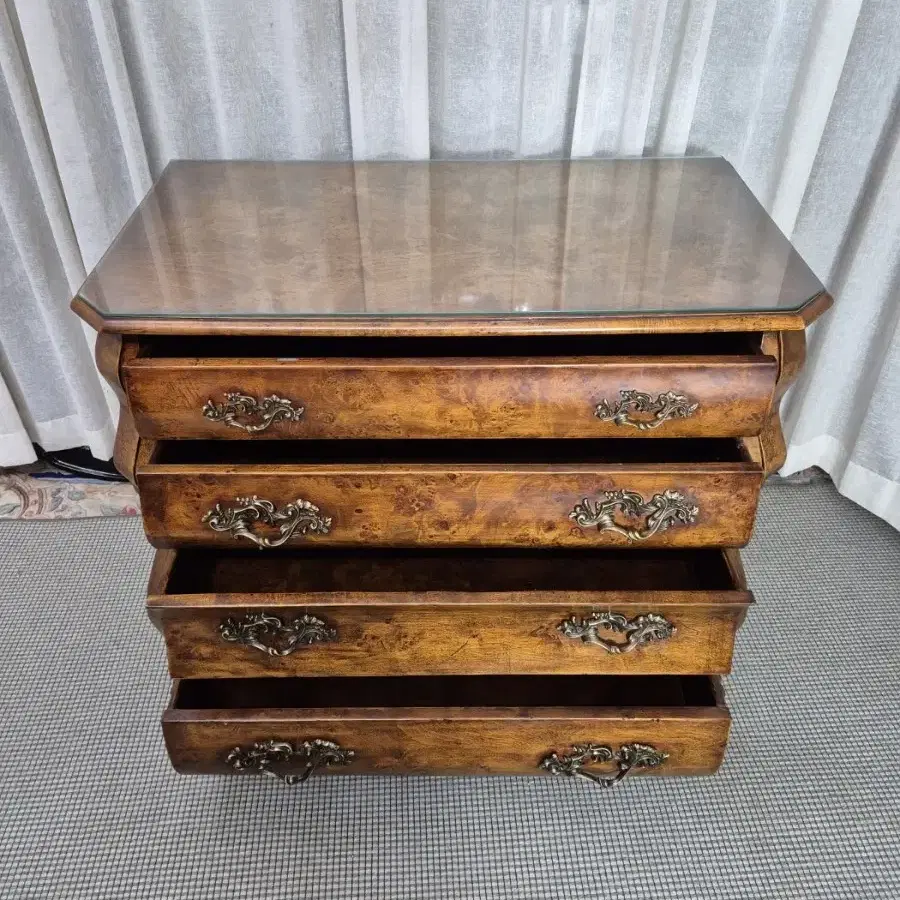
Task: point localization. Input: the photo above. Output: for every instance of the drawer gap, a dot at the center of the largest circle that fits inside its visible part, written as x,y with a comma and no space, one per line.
185,346
470,571
666,451
430,691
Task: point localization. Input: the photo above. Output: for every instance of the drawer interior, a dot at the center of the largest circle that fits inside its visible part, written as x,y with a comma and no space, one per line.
579,345
446,691
500,451
471,571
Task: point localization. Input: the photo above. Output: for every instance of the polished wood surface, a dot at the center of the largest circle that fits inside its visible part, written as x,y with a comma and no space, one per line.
462,493
456,396
449,329
418,613
108,352
462,726
377,242
789,349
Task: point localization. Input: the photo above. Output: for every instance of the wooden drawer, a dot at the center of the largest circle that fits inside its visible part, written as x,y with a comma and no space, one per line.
574,387
315,612
539,493
516,725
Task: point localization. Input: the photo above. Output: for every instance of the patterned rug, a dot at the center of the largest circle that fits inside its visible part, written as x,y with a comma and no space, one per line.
40,492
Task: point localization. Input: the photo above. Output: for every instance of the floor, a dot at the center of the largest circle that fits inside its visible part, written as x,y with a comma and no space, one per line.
807,804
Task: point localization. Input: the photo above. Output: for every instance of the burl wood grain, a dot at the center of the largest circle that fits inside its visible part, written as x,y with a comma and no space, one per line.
450,504
789,349
419,619
494,638
451,398
458,740
109,352
127,445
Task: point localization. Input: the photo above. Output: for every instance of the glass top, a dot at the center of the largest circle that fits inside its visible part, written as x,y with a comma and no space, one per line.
260,240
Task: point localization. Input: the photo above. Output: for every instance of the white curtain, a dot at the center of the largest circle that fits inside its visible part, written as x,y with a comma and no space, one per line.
801,96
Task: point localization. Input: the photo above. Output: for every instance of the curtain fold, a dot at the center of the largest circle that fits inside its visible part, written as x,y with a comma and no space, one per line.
800,95
51,393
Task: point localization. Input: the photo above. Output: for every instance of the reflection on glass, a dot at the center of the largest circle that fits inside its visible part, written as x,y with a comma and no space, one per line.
449,238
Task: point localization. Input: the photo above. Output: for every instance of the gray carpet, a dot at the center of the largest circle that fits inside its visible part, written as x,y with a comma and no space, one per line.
806,805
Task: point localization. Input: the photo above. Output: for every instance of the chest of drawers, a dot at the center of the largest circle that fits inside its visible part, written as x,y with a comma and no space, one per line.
450,478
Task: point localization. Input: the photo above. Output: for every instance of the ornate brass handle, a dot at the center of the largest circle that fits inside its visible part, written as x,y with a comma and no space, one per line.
638,631
641,411
270,409
274,637
660,513
627,758
261,756
299,517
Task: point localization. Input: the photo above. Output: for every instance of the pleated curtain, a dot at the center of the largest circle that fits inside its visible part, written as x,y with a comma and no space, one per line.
801,96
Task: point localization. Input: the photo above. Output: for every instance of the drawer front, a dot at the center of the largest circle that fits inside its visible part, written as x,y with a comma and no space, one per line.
360,638
279,741
450,398
573,506
313,612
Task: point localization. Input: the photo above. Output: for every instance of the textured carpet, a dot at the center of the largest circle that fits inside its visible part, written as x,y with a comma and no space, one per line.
806,805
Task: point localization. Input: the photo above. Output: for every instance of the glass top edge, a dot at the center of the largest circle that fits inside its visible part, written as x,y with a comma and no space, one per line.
732,312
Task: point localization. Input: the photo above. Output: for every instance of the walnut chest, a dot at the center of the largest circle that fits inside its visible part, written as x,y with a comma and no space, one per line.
448,463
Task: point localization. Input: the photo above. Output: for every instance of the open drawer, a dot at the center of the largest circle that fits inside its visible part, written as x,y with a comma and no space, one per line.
566,493
679,385
597,727
321,612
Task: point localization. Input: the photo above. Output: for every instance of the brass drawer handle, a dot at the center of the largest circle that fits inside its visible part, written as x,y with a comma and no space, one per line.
660,512
270,409
638,631
272,636
641,411
299,517
261,756
626,758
